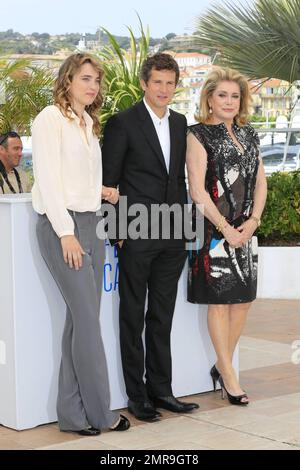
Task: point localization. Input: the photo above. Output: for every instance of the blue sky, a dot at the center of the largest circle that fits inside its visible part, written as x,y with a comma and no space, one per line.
61,16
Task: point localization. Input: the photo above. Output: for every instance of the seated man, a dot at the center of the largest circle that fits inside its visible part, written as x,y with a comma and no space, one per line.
12,181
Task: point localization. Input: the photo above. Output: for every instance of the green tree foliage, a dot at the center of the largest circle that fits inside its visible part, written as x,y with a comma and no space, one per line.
25,91
281,218
122,69
260,39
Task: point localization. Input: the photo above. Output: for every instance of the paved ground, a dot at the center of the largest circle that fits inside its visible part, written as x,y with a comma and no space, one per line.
271,421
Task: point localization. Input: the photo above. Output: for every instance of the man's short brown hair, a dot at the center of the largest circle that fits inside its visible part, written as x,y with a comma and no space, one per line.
159,61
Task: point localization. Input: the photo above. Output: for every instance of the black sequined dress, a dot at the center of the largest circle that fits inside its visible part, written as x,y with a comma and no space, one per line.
219,274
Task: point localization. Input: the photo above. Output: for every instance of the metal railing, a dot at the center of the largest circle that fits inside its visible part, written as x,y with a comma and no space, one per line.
280,149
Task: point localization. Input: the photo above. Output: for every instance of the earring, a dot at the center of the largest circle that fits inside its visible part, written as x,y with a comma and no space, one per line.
210,110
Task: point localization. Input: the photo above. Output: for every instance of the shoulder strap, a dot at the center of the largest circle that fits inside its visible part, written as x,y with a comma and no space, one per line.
5,177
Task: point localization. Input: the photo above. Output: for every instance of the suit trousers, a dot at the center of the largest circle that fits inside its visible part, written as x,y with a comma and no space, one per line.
156,269
83,395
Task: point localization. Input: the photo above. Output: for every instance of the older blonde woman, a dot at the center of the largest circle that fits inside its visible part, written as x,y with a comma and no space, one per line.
67,194
226,177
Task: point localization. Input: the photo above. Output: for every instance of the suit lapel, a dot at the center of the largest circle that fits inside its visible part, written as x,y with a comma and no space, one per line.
149,131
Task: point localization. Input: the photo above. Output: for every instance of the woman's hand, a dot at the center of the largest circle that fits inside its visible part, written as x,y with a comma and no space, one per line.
72,251
247,229
233,236
110,194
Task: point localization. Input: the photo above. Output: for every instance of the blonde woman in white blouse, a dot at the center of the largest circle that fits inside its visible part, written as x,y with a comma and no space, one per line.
67,194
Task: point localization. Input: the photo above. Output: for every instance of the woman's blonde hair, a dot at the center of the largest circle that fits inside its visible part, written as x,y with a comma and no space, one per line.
212,80
66,74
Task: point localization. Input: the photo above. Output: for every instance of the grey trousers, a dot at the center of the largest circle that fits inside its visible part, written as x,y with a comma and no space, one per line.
83,395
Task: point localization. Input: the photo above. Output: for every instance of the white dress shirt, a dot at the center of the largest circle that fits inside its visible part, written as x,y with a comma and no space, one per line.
162,128
67,168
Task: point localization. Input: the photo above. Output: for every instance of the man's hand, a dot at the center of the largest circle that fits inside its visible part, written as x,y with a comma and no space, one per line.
72,251
110,194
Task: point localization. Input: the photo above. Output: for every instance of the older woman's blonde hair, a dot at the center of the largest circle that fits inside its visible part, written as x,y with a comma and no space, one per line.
62,84
217,75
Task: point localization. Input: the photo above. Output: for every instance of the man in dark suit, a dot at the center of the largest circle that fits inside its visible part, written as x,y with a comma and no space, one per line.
144,155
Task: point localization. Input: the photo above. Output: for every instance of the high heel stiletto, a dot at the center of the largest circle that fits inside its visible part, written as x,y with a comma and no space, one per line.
233,399
215,376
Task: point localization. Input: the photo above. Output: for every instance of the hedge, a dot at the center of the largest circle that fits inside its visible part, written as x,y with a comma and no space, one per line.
281,217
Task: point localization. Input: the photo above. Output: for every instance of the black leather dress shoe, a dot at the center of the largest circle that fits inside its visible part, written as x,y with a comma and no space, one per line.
123,424
172,404
143,410
89,432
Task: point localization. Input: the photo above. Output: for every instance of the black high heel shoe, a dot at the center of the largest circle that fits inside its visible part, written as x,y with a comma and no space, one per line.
233,399
215,376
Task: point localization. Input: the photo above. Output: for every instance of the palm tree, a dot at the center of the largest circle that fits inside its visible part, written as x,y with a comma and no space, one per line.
26,90
260,40
121,69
